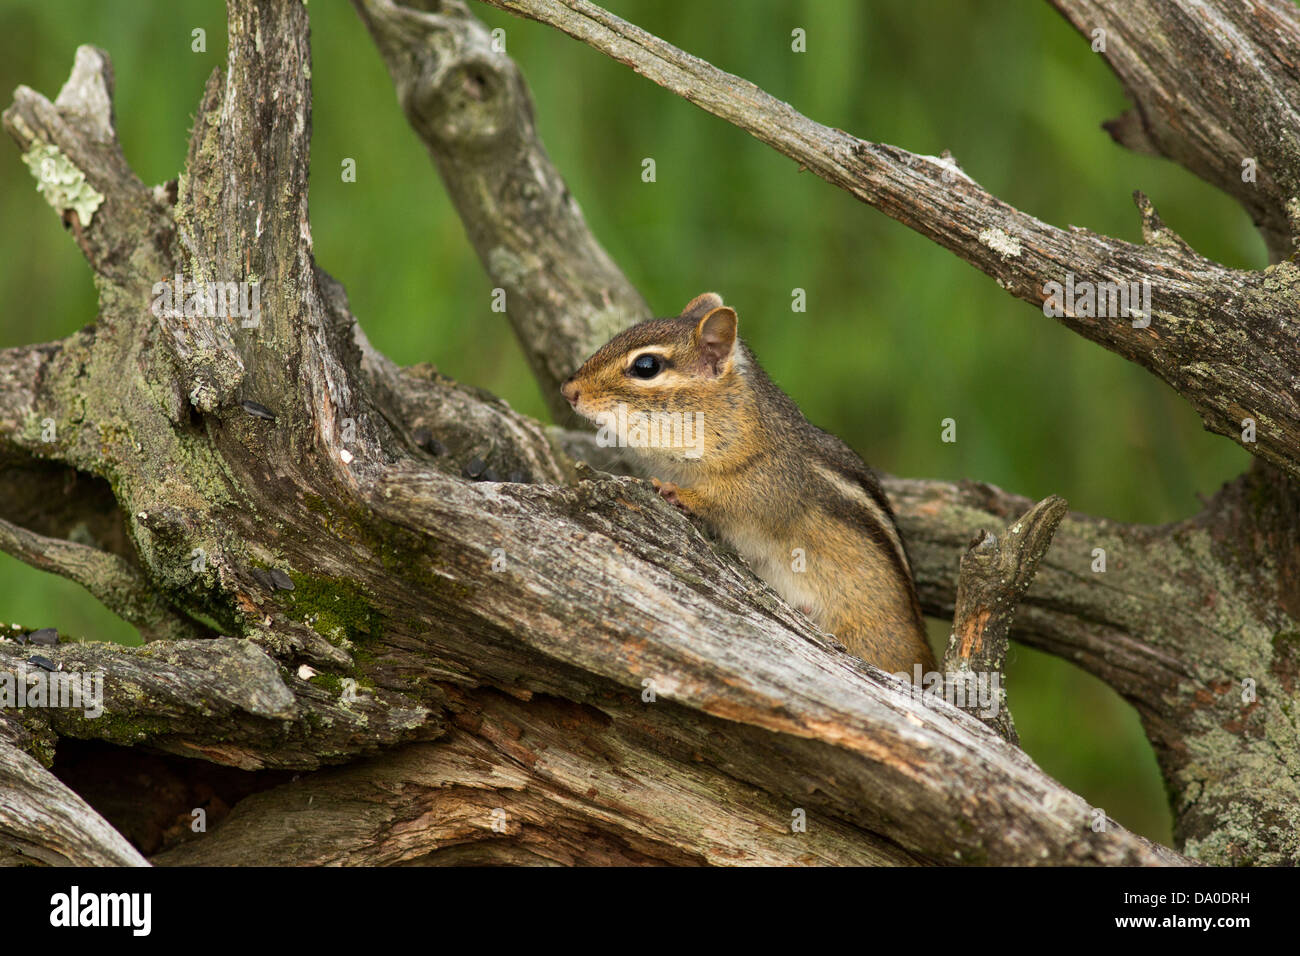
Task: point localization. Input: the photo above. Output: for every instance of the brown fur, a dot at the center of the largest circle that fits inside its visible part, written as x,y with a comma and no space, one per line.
768,481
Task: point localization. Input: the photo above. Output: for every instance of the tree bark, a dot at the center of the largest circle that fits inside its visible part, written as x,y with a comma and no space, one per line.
558,667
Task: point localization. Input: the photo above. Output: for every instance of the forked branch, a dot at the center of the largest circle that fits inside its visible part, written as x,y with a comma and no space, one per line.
1212,333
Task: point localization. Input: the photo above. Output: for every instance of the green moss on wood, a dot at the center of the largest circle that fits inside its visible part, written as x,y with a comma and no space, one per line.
338,610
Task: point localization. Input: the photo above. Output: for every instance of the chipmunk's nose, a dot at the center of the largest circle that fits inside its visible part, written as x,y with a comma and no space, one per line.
570,391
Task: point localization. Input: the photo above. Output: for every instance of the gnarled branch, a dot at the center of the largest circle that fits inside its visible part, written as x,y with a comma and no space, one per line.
1214,334
540,632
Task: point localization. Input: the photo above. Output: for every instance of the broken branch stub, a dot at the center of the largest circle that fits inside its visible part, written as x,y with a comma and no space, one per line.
996,570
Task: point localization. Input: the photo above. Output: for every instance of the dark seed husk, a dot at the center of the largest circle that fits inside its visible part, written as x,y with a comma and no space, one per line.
258,410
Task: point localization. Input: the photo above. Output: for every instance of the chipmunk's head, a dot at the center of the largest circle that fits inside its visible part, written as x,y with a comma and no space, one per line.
666,387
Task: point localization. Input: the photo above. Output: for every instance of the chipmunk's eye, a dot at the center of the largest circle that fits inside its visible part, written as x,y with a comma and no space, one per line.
647,365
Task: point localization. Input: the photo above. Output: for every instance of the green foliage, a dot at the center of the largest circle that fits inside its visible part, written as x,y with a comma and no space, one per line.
898,333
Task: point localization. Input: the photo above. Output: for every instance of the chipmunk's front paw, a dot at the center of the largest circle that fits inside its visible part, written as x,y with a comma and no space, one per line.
668,491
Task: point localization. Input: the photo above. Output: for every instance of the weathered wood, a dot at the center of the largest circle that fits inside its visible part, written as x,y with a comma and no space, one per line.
555,781
1194,623
1214,334
43,822
468,103
1218,336
408,578
110,578
522,623
1204,98
224,700
995,572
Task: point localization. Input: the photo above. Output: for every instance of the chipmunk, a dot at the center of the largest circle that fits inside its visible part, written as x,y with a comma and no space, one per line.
741,456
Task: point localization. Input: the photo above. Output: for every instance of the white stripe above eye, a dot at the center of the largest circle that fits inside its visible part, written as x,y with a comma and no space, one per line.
637,353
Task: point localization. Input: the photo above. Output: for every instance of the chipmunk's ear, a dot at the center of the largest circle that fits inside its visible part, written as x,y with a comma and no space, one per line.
701,305
715,337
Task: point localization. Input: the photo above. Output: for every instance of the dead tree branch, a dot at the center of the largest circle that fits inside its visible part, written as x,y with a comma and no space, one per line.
42,820
468,103
1220,337
1204,98
369,560
577,656
1217,336
996,570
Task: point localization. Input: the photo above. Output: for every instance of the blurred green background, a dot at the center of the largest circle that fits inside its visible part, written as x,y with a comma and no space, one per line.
898,334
